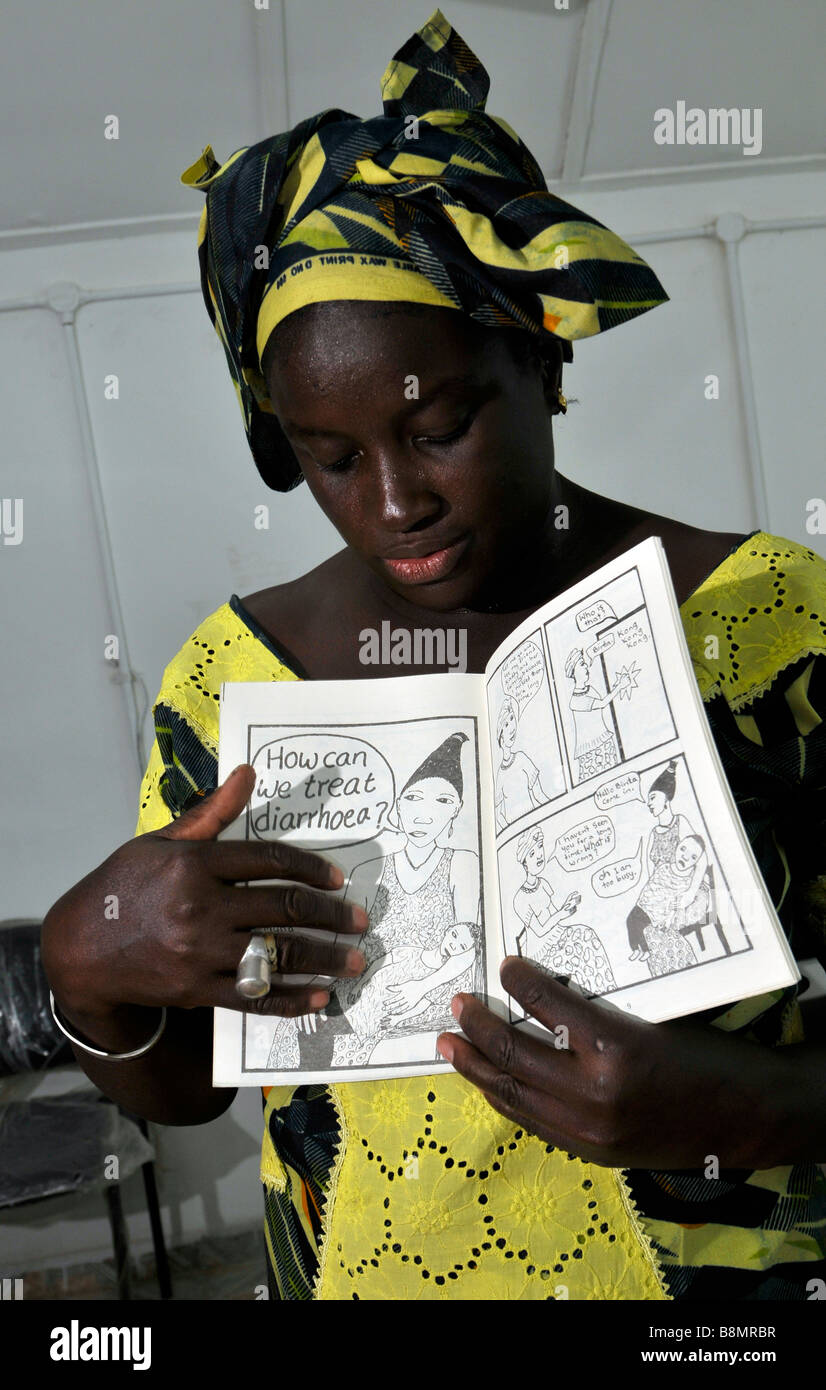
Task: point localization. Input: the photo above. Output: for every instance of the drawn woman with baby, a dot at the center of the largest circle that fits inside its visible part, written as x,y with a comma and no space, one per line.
413,898
414,894
676,893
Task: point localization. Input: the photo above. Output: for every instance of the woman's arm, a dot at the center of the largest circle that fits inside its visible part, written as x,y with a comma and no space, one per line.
181,930
364,884
464,884
601,702
537,795
556,914
649,863
172,1083
523,908
411,992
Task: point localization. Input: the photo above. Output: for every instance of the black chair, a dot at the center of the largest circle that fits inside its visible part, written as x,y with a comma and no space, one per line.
56,1145
711,919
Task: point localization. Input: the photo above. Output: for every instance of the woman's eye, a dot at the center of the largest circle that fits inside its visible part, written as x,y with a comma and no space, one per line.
449,438
340,465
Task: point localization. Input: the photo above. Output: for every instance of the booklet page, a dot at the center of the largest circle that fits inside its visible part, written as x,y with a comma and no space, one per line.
385,778
622,862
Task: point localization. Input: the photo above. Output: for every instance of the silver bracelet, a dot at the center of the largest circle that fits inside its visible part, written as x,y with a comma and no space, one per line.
96,1051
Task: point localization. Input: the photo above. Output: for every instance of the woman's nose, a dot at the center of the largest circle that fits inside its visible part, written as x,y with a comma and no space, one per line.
404,497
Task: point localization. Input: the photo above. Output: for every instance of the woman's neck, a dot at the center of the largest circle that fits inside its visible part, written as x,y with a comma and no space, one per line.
418,855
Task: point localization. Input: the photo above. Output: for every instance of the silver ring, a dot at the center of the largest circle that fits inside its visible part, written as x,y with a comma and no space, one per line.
253,977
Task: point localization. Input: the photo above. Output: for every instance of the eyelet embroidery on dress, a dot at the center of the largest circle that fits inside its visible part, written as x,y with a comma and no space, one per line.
749,632
472,1198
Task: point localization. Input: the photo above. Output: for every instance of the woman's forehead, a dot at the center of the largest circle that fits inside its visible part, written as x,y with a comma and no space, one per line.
326,342
433,784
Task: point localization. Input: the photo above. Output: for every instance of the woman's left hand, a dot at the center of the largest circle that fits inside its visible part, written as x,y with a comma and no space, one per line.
614,1090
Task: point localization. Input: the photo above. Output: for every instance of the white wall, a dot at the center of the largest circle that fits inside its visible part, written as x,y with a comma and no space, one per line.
178,490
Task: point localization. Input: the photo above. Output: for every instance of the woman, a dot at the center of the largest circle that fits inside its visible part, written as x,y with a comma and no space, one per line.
411,897
665,836
549,939
684,901
414,895
518,788
595,748
413,327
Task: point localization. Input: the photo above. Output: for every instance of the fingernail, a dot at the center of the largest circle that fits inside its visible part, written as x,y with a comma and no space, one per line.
360,918
335,876
355,961
456,1007
445,1047
319,998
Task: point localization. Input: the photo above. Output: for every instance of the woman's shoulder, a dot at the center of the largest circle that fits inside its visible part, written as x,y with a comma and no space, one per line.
223,647
693,553
760,610
309,618
762,559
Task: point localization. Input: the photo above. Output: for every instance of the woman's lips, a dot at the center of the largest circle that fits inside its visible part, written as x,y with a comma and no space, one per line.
424,569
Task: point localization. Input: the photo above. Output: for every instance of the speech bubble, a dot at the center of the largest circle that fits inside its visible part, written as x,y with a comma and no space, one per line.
325,789
601,645
618,877
620,789
522,673
585,843
633,635
597,613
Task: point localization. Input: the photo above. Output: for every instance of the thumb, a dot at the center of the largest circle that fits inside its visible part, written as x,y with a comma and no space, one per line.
209,817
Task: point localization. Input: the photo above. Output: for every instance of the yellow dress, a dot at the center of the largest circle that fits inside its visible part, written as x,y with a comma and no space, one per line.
432,1194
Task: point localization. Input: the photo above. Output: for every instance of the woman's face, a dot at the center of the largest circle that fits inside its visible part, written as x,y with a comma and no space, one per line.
582,671
507,732
427,446
426,809
535,857
656,802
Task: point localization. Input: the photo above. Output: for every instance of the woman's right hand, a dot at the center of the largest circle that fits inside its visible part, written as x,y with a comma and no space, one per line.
163,921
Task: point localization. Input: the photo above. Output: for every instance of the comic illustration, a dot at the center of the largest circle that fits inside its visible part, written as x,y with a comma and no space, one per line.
416,873
527,757
657,906
606,672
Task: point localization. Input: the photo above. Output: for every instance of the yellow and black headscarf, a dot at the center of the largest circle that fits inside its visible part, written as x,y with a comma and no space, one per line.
435,202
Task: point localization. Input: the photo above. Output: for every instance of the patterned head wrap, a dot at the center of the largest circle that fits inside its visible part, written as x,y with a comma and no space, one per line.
435,202
526,841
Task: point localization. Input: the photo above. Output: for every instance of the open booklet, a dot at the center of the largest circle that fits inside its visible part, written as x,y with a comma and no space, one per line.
568,805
